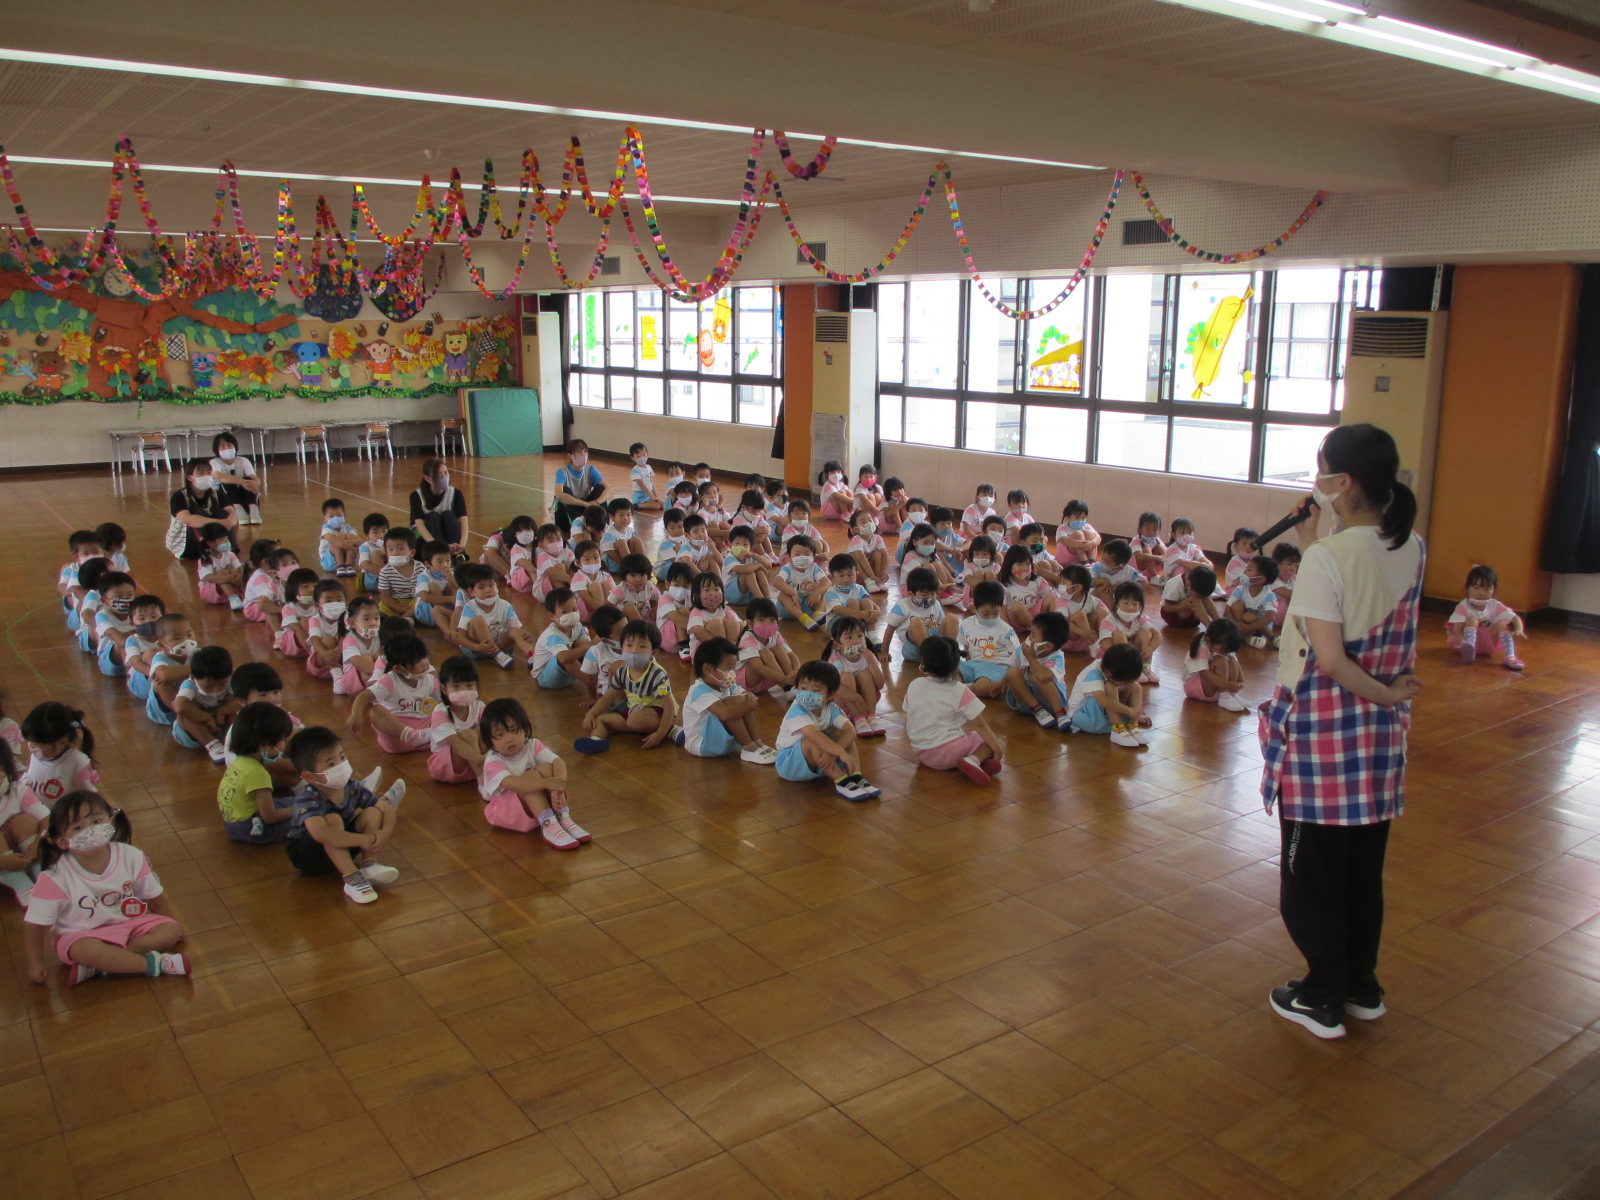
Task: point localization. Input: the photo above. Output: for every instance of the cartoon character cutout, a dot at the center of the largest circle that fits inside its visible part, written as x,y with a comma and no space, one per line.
488,369
203,369
381,364
457,356
49,371
306,362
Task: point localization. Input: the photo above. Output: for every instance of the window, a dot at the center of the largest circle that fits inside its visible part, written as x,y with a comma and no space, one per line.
1233,375
641,351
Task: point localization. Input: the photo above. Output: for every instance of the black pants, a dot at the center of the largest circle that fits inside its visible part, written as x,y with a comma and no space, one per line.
1331,899
232,494
569,511
443,527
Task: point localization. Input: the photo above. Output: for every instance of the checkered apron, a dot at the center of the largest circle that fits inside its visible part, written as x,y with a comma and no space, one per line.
1332,757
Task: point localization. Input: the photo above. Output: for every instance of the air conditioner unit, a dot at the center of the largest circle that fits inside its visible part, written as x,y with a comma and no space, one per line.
1393,378
844,389
541,369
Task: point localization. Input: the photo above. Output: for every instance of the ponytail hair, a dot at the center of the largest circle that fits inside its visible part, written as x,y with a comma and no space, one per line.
67,811
53,721
1369,456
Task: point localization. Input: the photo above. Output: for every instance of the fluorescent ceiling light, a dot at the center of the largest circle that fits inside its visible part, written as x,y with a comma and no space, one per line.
1353,26
106,164
95,63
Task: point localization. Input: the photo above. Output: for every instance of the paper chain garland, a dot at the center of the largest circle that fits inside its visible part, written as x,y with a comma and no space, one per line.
218,256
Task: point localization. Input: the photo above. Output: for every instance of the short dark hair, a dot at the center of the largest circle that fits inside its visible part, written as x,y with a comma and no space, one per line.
1055,627
1121,663
374,521
817,671
403,649
988,592
604,619
507,713
940,656
921,579
1118,551
556,597
211,662
255,677
1263,563
841,562
258,724
310,744
472,574
636,564
620,504
644,629
711,652
1202,580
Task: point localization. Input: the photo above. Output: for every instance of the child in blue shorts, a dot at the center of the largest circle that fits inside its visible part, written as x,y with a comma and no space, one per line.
1107,697
717,715
817,740
1037,682
561,645
204,705
642,478
987,641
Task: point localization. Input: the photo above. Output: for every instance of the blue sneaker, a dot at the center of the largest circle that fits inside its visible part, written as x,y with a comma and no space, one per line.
591,745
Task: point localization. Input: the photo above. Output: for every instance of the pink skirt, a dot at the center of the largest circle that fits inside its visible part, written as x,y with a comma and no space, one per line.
254,611
347,681
504,810
1195,688
543,586
212,594
118,933
1077,646
945,757
442,766
286,643
751,682
316,669
394,745
520,580
669,634
836,510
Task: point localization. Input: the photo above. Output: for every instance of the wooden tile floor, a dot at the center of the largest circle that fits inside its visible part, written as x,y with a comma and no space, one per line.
746,987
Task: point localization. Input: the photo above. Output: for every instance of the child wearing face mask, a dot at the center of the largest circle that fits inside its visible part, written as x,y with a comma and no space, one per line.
752,515
455,748
982,566
369,555
579,483
435,595
263,594
981,508
916,516
817,740
400,699
620,538
776,495
1149,551
1077,541
1115,567
1253,604
801,583
1037,679
801,525
294,618
604,652
1127,622
918,615
113,623
987,640
205,706
590,584
524,783
1016,514
643,479
561,645
672,610
358,649
220,572
719,521
1481,624
945,720
718,714
488,626
635,594
1031,538
745,571
1241,550
258,683
61,753
1076,600
1027,595
709,614
23,818
1183,551
325,630
97,904
512,548
85,545
400,576
553,562
649,708
861,679
766,661
1212,673
870,552
697,549
169,665
838,501
923,551
138,647
869,497
338,824
337,543
246,797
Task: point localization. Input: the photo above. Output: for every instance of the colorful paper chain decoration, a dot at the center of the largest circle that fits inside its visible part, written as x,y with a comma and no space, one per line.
224,254
1242,256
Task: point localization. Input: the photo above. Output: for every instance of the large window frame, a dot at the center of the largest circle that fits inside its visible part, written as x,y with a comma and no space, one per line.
616,385
1186,420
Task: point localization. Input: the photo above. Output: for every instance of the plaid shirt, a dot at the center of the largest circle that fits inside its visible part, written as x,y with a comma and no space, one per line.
1333,758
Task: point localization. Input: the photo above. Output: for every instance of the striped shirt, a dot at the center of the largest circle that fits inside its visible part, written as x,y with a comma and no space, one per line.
399,584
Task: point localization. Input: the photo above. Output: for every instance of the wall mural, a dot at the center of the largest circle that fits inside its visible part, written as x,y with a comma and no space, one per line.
100,340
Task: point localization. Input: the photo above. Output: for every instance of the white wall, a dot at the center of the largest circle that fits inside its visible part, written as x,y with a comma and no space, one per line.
739,449
1576,593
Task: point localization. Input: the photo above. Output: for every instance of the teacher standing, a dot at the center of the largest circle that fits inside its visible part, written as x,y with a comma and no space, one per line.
438,510
1334,733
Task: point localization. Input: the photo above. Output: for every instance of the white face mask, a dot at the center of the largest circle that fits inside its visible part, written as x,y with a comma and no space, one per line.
462,698
203,483
981,560
331,611
1324,500
525,537
227,454
485,603
834,477
1128,614
802,524
570,621
399,560
92,837
184,648
679,593
337,777
868,528
917,517
801,562
1041,648
590,568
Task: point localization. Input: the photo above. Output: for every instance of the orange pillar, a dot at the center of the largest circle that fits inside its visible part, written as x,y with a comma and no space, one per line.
1502,425
801,301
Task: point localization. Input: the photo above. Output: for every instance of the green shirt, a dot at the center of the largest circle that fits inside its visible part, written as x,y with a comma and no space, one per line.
236,794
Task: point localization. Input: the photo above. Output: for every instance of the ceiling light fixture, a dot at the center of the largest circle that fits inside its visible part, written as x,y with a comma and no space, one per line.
95,63
1353,26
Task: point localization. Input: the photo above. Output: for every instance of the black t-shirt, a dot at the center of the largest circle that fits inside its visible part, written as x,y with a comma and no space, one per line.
421,504
208,505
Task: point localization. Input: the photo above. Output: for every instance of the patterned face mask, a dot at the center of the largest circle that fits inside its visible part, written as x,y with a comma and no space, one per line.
92,837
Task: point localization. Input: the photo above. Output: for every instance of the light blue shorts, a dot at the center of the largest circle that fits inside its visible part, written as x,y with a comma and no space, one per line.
639,498
83,639
553,675
971,672
423,612
909,650
735,593
110,663
792,765
1059,700
183,739
369,583
716,741
139,685
74,623
1091,718
328,563
157,711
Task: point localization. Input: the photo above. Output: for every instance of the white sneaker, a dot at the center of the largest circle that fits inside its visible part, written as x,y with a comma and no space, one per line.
550,829
358,888
757,753
1256,642
504,660
255,514
1139,735
241,514
395,794
863,727
1044,716
1230,702
376,872
412,736
236,603
217,753
372,779
1121,737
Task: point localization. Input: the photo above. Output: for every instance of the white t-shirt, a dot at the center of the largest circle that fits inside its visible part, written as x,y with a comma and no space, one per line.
356,646
930,611
797,719
643,476
403,699
1114,621
1199,660
51,779
1489,612
751,646
16,799
499,618
265,587
1055,662
442,725
497,768
1091,679
1176,590
1262,601
987,641
221,560
240,466
599,659
697,712
70,900
937,711
975,514
1351,577
553,639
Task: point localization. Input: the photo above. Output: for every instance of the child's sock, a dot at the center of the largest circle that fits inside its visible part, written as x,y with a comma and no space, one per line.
19,882
1508,645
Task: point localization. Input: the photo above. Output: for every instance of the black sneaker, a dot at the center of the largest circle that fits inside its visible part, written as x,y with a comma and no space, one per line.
1322,1020
1363,1005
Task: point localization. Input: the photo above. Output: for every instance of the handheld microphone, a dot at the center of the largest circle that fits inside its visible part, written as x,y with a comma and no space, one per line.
1299,515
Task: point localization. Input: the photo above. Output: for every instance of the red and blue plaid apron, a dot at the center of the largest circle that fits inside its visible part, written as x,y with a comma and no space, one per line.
1332,757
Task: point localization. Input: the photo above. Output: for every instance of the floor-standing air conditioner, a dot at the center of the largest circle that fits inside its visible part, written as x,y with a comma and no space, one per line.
541,369
844,390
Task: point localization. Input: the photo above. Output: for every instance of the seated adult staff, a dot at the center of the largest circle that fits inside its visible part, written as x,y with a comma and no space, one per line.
438,510
198,503
236,479
578,485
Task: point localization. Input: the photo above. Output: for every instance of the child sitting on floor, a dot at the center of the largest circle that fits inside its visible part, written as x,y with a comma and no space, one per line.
246,796
1212,673
650,709
1107,698
338,824
817,740
1480,622
718,714
524,782
766,661
401,699
988,641
455,751
944,719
